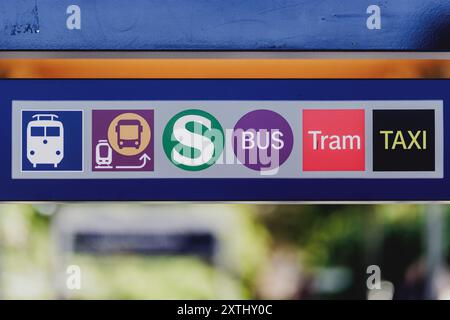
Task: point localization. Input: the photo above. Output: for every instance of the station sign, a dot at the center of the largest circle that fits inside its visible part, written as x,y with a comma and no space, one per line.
226,139
189,25
239,140
201,244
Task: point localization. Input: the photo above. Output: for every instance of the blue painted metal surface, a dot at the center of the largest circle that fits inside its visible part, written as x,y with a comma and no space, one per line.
224,25
220,189
198,243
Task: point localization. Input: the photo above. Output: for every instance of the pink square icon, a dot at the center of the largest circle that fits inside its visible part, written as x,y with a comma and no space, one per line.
333,140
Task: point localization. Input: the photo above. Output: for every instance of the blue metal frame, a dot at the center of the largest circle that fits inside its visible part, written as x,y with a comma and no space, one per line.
264,25
220,189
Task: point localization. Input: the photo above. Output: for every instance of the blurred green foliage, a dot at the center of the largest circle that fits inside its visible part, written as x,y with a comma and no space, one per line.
27,263
349,237
353,236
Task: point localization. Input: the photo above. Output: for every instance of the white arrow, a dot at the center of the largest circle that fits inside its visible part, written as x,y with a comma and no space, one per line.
144,158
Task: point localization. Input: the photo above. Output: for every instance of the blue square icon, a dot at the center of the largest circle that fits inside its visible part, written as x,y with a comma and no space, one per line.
52,140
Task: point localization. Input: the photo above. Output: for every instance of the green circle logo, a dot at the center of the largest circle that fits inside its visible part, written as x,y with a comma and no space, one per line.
193,140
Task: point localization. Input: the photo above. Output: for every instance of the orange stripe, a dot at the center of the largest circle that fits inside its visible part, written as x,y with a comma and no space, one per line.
225,68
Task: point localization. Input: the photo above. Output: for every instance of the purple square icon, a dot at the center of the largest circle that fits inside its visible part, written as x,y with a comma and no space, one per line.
122,140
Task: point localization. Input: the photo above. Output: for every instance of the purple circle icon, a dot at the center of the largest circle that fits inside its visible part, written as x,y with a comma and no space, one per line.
262,140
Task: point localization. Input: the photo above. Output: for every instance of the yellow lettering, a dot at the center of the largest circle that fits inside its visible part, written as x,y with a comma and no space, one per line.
414,138
386,137
399,140
424,140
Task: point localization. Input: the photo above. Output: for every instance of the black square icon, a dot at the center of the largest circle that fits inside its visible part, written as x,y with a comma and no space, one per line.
403,140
